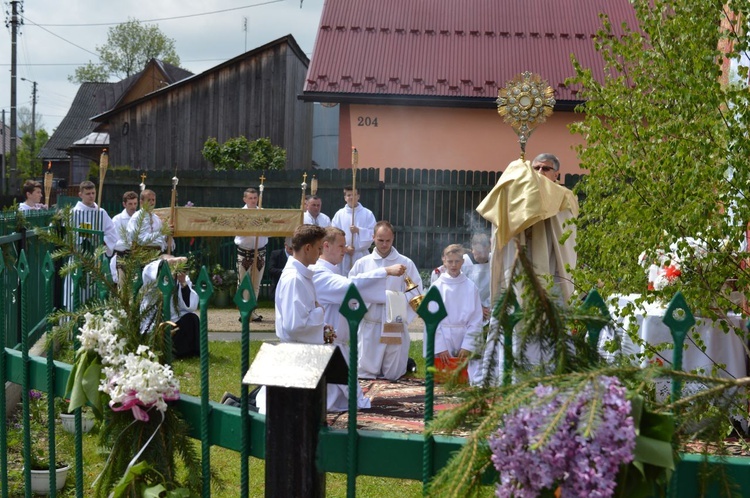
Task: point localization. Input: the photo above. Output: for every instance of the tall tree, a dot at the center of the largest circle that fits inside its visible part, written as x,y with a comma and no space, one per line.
29,164
240,153
667,151
129,47
31,142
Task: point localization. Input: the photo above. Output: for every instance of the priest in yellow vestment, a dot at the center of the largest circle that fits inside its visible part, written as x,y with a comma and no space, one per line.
528,209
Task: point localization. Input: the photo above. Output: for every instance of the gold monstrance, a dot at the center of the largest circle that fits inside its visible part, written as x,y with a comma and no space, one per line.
525,103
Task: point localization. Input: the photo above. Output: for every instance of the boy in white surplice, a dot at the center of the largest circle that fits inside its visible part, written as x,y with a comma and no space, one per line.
457,334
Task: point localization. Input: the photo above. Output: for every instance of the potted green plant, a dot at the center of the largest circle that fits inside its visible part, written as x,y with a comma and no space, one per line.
68,419
223,282
39,459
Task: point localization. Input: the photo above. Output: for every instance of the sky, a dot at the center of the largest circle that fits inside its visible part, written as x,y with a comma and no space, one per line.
59,35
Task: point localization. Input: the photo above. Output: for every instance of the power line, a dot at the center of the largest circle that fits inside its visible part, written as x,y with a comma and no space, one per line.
60,37
163,18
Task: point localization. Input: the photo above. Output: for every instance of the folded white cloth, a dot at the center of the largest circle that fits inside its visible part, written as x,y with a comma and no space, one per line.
395,306
395,314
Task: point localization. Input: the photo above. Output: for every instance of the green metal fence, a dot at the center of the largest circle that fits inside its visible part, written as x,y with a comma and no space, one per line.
354,452
17,233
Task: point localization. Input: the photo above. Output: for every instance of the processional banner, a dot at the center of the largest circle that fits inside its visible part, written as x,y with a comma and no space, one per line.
228,222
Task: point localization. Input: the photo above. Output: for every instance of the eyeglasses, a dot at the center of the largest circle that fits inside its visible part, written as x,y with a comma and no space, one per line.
544,168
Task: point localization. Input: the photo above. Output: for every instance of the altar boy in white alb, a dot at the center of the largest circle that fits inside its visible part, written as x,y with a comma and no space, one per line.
358,224
331,288
383,336
299,317
120,222
87,215
457,334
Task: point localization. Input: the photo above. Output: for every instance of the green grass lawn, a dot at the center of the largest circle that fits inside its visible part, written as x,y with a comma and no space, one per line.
225,375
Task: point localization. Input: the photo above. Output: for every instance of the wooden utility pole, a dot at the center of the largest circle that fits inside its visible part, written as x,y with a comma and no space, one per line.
15,23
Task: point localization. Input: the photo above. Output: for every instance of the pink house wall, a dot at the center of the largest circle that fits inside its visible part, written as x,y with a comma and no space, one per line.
446,138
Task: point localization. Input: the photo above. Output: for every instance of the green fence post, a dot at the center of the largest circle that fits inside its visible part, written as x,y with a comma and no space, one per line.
353,308
432,310
246,307
48,271
22,268
165,283
680,320
101,287
75,298
594,300
75,278
3,401
204,289
507,320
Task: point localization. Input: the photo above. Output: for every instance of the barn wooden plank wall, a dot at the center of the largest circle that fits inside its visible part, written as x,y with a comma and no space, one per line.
253,95
429,209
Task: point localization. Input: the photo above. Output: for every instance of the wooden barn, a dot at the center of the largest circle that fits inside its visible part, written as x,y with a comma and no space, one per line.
253,95
78,141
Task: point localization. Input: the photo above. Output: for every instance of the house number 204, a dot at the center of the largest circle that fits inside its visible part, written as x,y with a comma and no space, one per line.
367,121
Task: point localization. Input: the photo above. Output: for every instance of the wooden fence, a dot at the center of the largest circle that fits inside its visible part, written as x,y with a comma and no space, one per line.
428,208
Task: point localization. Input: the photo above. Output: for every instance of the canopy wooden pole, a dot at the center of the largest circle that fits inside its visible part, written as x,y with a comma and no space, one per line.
261,187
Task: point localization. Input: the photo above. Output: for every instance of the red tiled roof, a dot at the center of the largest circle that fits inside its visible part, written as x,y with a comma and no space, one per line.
453,49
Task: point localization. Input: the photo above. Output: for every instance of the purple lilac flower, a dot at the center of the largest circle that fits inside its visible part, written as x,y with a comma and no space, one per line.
583,466
189,204
34,394
217,280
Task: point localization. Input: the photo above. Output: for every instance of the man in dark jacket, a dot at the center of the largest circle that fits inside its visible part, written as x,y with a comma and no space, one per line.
276,263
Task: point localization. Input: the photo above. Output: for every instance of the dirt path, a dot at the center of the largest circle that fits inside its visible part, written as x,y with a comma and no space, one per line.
227,320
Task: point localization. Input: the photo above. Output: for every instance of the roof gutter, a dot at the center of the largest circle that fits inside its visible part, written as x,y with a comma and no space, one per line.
418,100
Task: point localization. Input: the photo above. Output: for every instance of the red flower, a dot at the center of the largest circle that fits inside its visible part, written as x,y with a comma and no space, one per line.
672,272
437,271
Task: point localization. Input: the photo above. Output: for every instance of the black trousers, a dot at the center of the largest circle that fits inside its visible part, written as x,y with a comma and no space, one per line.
186,342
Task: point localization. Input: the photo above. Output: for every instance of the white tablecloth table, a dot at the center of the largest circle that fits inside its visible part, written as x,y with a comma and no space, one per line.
720,347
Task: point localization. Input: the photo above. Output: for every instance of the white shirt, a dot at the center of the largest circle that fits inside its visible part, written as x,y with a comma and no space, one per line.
373,261
298,319
95,218
248,242
25,207
365,221
120,221
322,220
460,329
330,288
147,226
479,273
149,276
